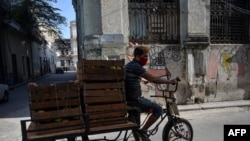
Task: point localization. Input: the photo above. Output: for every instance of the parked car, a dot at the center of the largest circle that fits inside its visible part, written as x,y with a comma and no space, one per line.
4,93
59,70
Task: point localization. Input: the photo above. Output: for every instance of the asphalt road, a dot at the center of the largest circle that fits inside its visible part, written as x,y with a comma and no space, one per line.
207,124
18,107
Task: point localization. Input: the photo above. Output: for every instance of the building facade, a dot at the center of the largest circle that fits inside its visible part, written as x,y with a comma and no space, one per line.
22,56
15,49
204,42
63,52
73,44
66,52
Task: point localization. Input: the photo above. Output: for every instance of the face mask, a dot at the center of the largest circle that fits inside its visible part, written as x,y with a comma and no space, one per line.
143,61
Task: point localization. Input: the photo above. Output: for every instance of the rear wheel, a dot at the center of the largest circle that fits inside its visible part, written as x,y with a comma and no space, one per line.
178,129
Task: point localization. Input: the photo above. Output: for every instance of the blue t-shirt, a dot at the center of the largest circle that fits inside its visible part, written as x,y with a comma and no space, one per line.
133,72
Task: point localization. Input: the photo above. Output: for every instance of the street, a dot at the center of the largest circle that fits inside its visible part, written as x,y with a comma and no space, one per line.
18,107
207,124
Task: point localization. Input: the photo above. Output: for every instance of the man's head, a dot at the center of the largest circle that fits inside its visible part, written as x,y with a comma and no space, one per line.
141,54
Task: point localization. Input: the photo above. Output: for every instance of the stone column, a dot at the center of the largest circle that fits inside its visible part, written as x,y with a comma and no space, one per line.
197,19
196,42
106,30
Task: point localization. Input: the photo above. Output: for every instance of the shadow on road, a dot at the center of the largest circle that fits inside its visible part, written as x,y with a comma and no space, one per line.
18,105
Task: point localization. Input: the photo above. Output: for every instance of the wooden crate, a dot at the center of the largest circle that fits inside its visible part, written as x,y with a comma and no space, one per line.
100,70
104,103
55,107
103,97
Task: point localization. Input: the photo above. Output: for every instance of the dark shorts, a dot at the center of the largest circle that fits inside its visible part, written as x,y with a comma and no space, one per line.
144,105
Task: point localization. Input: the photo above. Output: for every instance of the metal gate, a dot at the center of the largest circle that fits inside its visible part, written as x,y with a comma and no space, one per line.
154,21
229,21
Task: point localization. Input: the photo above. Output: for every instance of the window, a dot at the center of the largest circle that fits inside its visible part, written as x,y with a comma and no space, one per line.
62,63
154,21
23,65
229,21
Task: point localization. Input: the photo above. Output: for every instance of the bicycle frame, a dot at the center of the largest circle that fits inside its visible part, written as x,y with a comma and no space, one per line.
171,111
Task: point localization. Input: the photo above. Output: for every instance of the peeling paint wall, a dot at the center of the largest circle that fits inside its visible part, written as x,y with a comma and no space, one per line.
221,72
228,72
164,60
208,72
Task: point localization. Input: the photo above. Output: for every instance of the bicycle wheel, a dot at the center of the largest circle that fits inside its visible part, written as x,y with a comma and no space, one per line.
178,129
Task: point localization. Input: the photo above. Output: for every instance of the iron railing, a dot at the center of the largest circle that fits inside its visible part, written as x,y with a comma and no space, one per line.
229,21
154,21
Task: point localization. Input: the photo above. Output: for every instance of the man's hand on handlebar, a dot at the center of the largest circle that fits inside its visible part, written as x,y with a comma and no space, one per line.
173,81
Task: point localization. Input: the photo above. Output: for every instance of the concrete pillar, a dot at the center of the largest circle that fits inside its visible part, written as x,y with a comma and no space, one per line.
196,42
105,26
190,66
197,17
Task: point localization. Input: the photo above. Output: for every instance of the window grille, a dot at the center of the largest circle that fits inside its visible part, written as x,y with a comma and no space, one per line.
154,21
229,21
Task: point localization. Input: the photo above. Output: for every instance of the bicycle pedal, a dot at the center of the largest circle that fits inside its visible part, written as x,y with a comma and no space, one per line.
143,136
145,139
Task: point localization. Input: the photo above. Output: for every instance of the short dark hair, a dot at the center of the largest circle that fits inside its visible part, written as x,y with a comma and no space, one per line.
139,50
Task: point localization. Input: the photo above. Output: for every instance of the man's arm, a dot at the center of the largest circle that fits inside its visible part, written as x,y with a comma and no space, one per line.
157,80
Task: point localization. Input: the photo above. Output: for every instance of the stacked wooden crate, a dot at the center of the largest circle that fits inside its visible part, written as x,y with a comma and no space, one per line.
103,97
55,107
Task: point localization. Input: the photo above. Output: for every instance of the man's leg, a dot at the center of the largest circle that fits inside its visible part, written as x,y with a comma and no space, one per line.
155,109
151,120
135,135
135,116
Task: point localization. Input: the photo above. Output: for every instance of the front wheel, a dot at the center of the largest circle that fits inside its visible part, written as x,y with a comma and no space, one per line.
178,129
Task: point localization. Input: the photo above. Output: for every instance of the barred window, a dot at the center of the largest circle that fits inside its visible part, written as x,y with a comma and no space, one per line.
229,21
154,21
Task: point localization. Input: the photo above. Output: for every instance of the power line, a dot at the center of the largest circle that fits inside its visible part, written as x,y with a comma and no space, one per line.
237,8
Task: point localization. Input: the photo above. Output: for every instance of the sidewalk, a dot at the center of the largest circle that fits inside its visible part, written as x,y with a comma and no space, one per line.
213,105
191,107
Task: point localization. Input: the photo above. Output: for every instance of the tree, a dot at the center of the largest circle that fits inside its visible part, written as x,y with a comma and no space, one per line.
37,16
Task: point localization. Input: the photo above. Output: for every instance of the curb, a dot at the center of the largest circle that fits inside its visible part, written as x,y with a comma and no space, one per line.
25,82
191,107
214,105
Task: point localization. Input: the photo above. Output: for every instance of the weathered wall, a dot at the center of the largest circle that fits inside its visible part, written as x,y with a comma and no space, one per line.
111,19
36,53
208,72
222,76
165,60
18,45
228,73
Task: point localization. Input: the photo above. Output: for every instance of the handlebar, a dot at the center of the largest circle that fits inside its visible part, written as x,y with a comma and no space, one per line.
178,79
166,87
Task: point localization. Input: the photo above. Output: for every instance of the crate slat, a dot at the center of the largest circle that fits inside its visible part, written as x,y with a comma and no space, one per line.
107,85
99,100
101,77
106,115
108,122
100,70
63,125
98,63
105,107
54,104
113,71
56,113
103,93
